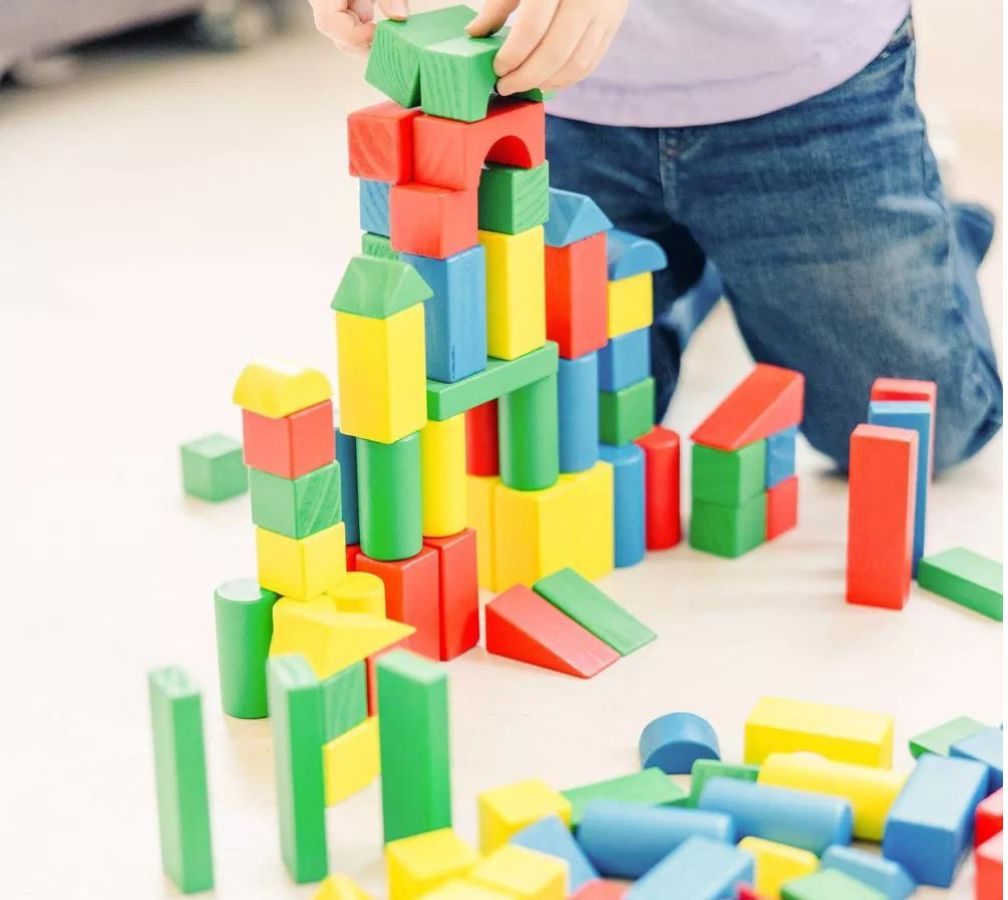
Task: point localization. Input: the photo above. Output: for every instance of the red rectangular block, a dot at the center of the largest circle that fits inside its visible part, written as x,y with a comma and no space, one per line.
411,596
380,141
482,442
989,859
576,285
910,389
782,507
458,595
880,518
989,817
292,446
662,523
432,221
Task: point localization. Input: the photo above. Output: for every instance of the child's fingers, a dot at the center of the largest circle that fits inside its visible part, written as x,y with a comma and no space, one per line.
586,56
530,25
549,57
394,9
491,17
349,30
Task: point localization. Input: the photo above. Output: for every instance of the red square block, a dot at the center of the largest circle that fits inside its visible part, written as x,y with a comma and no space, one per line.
989,817
782,507
432,221
352,552
662,524
458,597
482,443
989,858
576,284
292,446
411,596
380,141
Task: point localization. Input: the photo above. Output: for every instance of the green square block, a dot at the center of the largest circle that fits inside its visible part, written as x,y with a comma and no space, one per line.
649,787
829,884
344,700
297,507
378,246
628,413
513,200
728,531
728,478
966,578
705,769
939,740
213,468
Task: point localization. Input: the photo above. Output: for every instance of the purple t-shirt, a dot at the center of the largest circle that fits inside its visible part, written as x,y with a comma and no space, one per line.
695,62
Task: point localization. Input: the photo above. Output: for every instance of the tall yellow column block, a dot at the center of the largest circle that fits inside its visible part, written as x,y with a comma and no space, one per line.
351,761
523,874
533,532
443,476
516,292
360,592
302,568
480,490
506,810
382,374
592,550
629,304
418,864
777,864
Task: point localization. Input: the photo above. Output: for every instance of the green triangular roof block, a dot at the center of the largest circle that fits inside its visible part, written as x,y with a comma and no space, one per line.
378,288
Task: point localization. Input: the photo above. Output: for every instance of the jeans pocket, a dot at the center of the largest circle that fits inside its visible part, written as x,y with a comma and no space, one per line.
902,38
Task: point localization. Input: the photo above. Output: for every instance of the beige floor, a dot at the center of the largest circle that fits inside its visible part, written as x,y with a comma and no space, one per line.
167,217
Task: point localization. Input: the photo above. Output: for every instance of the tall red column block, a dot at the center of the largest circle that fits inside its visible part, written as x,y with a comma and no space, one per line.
458,595
662,523
482,442
576,287
381,142
292,446
411,596
880,519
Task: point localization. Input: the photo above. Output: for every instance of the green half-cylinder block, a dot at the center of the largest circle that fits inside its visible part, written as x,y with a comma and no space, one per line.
529,442
728,477
513,200
414,745
728,531
705,769
344,700
966,578
377,245
297,507
389,498
176,713
649,787
213,468
628,413
939,740
243,612
829,884
379,288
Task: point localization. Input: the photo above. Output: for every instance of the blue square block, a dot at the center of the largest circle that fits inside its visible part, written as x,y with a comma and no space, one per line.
780,456
628,501
552,837
374,206
698,869
625,360
346,456
987,747
578,412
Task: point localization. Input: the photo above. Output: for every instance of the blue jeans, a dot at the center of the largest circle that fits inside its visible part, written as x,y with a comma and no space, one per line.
840,255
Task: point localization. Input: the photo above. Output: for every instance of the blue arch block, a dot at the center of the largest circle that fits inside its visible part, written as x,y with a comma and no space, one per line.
577,407
625,360
374,206
882,874
675,741
628,501
629,254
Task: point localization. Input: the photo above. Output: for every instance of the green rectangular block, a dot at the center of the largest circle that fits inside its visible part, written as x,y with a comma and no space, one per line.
414,741
594,611
377,245
295,706
527,423
513,200
649,787
389,513
213,468
728,531
296,507
628,413
176,713
728,478
939,740
966,578
829,884
705,769
344,701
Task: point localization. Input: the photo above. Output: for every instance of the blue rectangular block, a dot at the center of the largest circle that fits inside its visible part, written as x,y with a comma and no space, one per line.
986,747
780,457
628,501
577,409
886,876
346,455
916,417
374,206
931,823
552,837
699,869
455,317
625,360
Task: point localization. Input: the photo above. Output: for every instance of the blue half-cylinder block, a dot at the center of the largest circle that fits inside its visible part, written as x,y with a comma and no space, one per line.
625,360
572,217
629,254
346,456
886,876
552,837
917,417
577,410
701,869
374,206
628,501
780,457
931,823
675,741
455,317
987,747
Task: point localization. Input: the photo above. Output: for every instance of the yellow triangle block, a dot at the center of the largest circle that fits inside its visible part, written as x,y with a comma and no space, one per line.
275,390
351,761
340,887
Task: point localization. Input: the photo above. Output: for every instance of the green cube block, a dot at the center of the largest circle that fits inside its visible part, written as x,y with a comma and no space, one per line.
628,413
829,884
244,617
390,515
529,440
297,507
705,769
966,578
728,478
649,787
213,468
457,77
728,531
513,200
344,700
378,246
939,740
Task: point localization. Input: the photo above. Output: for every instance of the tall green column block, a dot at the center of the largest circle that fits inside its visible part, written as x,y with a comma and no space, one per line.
529,439
513,200
414,741
295,702
244,615
297,507
180,770
728,477
728,531
628,413
389,498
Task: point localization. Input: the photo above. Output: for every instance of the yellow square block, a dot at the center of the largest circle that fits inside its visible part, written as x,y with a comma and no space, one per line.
516,292
421,863
351,761
593,547
523,874
629,304
480,491
302,568
382,374
443,476
360,592
533,534
464,889
276,390
777,725
504,811
777,864
340,887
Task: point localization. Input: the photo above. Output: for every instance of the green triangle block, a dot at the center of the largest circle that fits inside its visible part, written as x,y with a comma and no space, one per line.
378,288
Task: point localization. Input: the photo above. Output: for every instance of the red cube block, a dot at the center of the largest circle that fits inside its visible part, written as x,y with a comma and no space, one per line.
482,443
381,142
292,446
989,858
576,285
458,596
411,596
989,817
432,221
662,525
782,507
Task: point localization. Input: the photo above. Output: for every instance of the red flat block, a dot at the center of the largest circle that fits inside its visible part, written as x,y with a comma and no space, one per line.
432,221
352,552
411,596
910,389
769,400
451,154
600,889
380,141
458,596
576,285
522,625
662,524
989,817
292,446
782,507
482,442
989,858
880,518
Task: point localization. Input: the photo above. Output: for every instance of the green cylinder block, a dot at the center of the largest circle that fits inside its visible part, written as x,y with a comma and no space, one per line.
388,495
244,614
529,444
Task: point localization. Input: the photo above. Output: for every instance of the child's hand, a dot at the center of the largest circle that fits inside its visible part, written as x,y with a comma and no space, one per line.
553,43
349,24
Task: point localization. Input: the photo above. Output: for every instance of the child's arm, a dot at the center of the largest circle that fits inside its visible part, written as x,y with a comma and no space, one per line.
349,24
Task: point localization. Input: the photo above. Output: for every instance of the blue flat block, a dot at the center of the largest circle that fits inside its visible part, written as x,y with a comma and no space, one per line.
674,742
886,876
701,869
810,821
625,360
916,417
578,412
780,456
374,206
625,840
629,254
931,823
346,456
552,837
572,217
628,501
987,747
455,317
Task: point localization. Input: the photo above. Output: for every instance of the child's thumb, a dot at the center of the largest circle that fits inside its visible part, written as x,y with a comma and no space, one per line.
493,15
394,9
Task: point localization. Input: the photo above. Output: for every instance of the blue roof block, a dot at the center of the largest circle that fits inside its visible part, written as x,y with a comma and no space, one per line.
573,217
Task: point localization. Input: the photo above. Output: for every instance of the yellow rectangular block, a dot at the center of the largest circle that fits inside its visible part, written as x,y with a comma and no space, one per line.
533,533
302,568
593,548
629,304
418,864
506,810
443,476
351,761
516,292
465,889
523,874
480,490
382,375
778,725
340,887
777,864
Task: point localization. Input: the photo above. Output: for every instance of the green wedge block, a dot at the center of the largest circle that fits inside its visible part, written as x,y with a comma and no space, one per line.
649,787
529,441
628,413
939,740
390,514
829,884
513,200
728,478
344,701
728,531
243,612
377,245
705,769
966,578
296,507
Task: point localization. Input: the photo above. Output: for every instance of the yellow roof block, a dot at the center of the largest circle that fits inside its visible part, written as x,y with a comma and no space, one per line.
777,864
418,864
504,811
351,762
523,874
276,390
340,887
